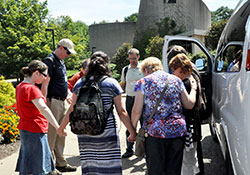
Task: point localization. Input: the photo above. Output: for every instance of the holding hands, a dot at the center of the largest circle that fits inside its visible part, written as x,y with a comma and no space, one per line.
61,131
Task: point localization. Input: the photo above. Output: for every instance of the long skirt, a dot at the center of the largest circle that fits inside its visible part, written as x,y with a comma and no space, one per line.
34,155
101,154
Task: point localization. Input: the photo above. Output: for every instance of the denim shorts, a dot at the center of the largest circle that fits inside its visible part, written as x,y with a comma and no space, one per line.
34,156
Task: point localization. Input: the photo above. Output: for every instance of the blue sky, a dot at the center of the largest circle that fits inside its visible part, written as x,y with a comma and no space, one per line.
90,11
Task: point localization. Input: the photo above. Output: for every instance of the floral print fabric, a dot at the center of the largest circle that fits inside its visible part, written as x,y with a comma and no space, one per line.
168,120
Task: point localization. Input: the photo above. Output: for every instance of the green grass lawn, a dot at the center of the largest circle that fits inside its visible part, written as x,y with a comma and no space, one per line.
70,73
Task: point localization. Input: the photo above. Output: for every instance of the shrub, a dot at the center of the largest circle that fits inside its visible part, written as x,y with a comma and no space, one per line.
120,59
7,93
165,26
114,72
213,35
8,124
154,48
142,43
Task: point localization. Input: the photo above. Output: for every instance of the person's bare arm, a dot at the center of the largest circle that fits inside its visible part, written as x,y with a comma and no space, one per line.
46,112
120,108
69,96
137,108
188,100
123,85
65,120
44,87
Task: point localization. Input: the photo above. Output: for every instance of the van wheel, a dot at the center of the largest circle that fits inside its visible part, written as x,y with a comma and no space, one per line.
212,129
229,168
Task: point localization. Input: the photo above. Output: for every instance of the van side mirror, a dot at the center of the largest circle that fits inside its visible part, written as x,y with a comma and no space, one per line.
200,63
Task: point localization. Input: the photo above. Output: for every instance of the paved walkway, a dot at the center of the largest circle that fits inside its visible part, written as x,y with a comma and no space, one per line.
133,165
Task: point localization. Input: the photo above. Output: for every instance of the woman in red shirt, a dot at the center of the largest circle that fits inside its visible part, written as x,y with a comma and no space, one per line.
34,156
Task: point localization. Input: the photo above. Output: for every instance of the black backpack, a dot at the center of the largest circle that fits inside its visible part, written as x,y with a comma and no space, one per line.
88,116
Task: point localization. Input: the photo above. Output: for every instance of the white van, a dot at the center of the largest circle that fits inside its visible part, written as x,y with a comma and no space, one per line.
226,79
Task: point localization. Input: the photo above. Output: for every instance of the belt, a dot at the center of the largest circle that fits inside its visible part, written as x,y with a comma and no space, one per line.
58,98
130,96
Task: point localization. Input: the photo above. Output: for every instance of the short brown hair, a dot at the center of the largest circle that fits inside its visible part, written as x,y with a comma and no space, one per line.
151,63
134,51
182,61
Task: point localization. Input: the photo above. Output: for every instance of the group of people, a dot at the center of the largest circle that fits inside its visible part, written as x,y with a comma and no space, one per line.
44,113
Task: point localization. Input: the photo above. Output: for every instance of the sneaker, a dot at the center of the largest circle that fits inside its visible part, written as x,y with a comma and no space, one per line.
66,168
55,172
128,154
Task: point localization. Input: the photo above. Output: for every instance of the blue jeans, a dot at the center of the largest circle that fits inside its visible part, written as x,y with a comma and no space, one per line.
164,156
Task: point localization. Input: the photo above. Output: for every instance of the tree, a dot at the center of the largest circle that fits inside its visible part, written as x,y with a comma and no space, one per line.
142,43
213,35
219,21
120,59
131,18
163,27
154,48
64,27
22,31
222,13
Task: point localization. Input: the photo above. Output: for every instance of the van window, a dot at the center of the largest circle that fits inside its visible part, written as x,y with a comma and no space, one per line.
194,52
229,60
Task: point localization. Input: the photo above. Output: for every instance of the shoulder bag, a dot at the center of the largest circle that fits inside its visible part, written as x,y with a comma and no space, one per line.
143,133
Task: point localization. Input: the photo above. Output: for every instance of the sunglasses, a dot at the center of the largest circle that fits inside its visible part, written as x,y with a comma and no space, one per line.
43,73
68,52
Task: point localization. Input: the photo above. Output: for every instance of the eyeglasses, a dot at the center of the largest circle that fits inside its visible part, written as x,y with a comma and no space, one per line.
68,52
43,73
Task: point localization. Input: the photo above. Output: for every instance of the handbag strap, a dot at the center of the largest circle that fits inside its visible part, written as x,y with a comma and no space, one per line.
158,102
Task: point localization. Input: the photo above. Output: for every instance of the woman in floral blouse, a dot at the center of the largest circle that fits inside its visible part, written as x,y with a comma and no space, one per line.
166,130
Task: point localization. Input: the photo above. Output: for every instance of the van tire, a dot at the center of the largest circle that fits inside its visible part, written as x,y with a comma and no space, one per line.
229,168
212,129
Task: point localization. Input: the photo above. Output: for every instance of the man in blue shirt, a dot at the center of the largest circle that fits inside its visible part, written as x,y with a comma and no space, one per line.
58,99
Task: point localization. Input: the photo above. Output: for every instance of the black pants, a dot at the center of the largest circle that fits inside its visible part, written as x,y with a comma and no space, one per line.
164,156
129,105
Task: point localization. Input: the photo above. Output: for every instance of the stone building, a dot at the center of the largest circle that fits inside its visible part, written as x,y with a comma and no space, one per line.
110,36
192,14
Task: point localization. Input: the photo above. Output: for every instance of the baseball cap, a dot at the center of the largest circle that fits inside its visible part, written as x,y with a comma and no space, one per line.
68,44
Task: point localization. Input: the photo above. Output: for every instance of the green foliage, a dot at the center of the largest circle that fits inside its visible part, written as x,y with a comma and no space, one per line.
7,93
101,22
222,13
114,73
70,73
154,48
213,35
164,27
23,37
131,18
22,31
194,57
142,43
120,59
